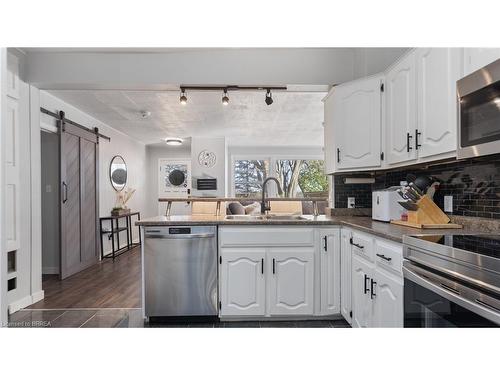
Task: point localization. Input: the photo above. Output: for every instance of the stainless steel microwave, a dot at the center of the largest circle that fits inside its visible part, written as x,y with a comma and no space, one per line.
479,112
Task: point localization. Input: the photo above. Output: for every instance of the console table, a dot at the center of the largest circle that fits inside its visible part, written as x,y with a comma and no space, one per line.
116,250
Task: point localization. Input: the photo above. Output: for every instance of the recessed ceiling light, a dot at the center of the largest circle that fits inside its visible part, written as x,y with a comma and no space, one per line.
225,98
183,99
269,97
173,141
145,114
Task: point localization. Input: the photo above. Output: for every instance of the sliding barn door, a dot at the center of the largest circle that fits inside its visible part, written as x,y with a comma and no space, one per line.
79,207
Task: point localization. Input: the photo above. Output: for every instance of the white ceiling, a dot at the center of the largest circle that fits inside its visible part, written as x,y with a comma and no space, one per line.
294,119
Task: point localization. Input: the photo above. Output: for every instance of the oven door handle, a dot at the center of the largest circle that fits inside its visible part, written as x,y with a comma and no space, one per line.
410,272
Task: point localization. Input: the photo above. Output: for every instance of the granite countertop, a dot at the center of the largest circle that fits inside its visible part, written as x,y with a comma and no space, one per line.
366,224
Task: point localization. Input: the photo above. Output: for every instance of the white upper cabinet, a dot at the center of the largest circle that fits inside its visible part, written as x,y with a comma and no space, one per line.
292,281
438,69
330,271
242,282
357,124
476,58
401,111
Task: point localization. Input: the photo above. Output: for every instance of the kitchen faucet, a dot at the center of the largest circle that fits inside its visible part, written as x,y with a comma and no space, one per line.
263,205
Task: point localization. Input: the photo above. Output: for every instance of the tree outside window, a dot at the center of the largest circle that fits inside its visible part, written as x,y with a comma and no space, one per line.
299,178
249,176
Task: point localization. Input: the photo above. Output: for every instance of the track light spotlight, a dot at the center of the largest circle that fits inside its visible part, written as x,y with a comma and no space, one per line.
183,99
269,97
225,98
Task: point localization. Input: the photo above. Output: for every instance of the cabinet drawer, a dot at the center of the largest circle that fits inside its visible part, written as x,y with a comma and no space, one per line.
362,244
389,255
266,236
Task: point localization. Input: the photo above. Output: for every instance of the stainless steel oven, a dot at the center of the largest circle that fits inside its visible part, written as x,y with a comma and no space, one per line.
452,281
479,112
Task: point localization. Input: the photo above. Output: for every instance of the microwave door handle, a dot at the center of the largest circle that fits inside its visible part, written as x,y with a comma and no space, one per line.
451,295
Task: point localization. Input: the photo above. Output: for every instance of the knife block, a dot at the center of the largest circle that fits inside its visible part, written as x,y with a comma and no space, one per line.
428,215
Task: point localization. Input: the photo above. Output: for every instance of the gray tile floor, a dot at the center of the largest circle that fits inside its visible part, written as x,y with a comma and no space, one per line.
132,318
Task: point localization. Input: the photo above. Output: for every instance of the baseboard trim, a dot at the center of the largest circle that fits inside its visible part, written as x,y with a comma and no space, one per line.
20,304
26,301
37,296
50,270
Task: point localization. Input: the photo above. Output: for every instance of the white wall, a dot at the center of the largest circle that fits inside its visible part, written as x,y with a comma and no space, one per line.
219,147
133,152
153,153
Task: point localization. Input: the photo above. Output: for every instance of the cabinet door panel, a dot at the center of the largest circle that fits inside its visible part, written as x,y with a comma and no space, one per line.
357,125
330,271
242,282
345,272
291,281
388,302
437,72
361,302
401,111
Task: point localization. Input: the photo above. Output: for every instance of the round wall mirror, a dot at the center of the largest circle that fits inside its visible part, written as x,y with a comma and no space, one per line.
118,173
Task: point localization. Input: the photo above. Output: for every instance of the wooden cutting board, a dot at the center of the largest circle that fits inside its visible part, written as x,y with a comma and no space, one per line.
426,226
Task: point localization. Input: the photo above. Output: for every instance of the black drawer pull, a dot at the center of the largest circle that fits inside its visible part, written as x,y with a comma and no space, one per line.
274,266
356,244
364,283
262,266
384,257
338,155
326,243
372,294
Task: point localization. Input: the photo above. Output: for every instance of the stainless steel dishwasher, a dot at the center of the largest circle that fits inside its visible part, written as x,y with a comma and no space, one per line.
180,271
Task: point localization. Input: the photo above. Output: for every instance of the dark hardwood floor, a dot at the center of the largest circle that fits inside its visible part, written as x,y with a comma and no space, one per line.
105,285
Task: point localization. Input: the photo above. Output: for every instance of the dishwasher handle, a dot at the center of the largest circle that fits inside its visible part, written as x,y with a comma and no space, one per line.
179,236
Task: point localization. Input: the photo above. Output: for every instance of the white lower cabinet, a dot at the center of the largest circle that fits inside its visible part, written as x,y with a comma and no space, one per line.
291,284
330,271
279,271
388,300
345,274
377,286
361,302
242,281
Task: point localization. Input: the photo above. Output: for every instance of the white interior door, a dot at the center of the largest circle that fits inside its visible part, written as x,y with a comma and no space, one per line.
438,70
242,282
401,111
358,124
291,281
388,301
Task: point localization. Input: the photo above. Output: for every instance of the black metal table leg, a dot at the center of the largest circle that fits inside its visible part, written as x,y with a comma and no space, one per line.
100,235
139,218
117,236
112,240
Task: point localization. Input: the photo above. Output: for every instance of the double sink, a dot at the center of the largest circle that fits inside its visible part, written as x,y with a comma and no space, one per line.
283,217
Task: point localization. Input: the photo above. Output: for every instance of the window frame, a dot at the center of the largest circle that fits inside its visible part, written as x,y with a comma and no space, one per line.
272,190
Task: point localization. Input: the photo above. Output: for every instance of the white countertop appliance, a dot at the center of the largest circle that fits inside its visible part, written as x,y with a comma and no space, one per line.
385,206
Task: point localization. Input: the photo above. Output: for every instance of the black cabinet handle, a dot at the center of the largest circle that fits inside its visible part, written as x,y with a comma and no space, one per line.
262,266
372,294
338,155
356,244
274,266
417,145
384,257
408,147
365,288
65,192
325,246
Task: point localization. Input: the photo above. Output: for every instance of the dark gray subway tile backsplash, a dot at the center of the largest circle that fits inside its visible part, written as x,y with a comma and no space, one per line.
473,183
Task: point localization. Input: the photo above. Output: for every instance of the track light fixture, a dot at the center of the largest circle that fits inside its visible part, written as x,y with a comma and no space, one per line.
225,98
183,99
269,97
